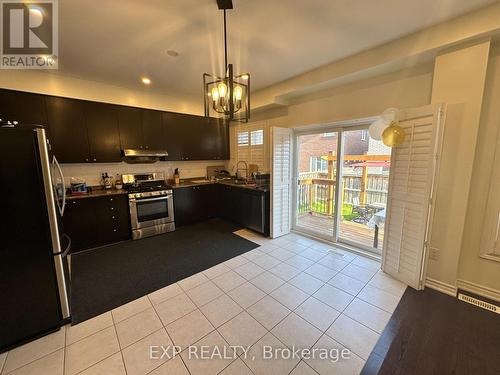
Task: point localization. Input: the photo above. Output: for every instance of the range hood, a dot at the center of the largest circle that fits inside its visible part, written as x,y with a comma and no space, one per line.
140,156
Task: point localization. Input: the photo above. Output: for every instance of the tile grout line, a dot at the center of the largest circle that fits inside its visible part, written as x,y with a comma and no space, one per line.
166,331
342,313
305,363
64,349
102,360
4,362
92,334
105,358
118,339
30,362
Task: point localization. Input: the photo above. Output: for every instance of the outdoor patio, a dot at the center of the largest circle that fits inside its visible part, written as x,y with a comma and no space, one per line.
349,230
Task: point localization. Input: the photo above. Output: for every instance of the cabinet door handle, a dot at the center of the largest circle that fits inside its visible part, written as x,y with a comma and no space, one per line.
114,230
86,159
111,199
95,159
112,217
112,208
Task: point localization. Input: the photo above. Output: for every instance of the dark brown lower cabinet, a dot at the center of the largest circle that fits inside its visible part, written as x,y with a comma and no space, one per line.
194,203
246,207
97,221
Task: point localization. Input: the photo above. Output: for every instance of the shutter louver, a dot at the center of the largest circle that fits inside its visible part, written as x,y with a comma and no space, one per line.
281,181
411,184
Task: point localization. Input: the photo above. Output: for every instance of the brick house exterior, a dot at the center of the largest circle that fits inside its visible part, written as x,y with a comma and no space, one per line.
317,145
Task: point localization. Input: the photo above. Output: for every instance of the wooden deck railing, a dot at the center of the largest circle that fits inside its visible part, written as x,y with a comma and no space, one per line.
316,194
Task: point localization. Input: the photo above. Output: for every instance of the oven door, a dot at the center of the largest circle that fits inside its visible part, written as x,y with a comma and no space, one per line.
150,211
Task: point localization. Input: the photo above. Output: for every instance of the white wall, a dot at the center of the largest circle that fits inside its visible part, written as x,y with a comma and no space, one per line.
91,173
459,78
472,268
407,88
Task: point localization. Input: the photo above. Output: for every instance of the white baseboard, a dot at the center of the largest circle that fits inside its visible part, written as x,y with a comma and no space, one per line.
441,287
478,289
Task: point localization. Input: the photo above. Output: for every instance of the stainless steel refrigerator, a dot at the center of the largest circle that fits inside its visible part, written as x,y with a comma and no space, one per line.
34,269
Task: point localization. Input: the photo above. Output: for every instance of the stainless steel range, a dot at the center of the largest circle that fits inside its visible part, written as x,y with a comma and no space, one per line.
151,204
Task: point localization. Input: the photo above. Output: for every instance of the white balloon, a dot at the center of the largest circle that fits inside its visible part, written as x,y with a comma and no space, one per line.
376,129
390,115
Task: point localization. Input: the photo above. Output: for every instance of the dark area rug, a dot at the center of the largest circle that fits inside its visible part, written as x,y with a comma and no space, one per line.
108,277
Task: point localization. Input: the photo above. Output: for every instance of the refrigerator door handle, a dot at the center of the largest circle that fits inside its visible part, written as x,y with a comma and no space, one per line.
62,285
68,248
63,205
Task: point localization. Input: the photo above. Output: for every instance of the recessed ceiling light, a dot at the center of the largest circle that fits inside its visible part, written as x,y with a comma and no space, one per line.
172,53
146,80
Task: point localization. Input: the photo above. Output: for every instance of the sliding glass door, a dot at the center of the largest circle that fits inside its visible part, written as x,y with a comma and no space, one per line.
316,172
365,179
342,183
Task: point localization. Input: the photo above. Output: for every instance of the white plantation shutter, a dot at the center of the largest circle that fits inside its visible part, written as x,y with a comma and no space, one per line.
281,178
411,188
250,145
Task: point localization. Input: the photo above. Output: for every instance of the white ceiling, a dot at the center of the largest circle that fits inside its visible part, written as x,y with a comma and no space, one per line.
118,41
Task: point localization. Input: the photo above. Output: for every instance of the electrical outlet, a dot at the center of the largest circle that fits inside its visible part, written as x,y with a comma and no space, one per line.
434,253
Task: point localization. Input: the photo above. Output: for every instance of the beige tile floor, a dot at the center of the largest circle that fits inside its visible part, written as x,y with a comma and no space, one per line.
291,291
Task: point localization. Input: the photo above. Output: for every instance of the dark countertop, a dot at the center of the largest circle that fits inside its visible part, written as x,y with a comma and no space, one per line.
97,191
190,182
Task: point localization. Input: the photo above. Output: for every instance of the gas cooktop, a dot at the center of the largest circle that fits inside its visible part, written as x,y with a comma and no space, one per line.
144,182
146,186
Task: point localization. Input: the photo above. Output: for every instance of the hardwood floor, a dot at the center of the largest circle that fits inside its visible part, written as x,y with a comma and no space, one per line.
432,333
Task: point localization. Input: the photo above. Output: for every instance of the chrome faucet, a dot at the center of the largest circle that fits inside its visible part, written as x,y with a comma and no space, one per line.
243,169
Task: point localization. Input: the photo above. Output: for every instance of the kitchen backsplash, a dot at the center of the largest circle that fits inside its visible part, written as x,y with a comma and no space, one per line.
91,173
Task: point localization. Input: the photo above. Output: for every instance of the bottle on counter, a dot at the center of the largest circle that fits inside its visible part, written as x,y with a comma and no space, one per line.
176,176
108,182
118,181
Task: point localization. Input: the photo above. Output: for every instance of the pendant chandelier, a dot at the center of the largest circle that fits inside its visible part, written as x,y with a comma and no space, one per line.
228,95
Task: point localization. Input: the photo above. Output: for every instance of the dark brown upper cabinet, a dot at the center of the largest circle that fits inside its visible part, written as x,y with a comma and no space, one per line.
218,132
67,129
152,130
103,134
189,137
82,131
130,124
23,107
177,135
